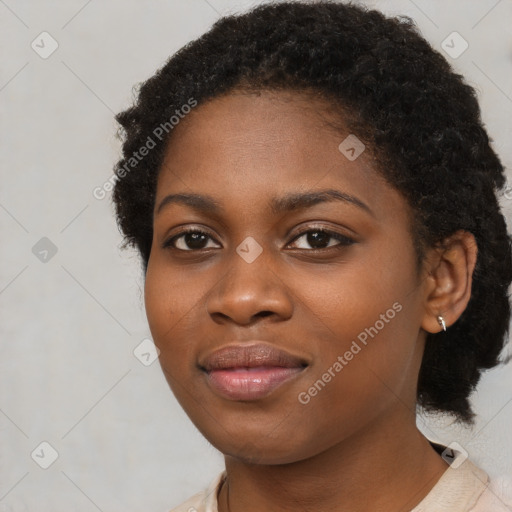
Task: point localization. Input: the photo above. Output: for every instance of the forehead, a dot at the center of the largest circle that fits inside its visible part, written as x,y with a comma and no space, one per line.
269,121
245,147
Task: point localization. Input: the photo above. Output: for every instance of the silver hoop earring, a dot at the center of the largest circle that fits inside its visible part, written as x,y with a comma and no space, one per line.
441,322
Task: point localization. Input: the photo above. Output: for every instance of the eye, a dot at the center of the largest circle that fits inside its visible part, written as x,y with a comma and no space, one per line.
319,239
190,240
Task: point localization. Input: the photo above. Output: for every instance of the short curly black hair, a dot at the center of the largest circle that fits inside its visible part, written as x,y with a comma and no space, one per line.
402,99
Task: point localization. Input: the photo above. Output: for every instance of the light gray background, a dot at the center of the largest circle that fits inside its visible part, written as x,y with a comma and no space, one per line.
68,375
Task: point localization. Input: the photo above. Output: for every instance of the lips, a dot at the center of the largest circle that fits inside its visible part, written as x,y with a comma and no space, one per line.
250,371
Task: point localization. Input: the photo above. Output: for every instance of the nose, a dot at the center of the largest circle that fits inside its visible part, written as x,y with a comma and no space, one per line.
248,292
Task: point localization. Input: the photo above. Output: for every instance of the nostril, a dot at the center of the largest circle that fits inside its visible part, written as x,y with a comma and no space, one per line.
264,313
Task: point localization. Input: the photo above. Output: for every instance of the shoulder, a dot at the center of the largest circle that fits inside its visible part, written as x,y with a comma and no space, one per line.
204,501
194,504
497,497
464,487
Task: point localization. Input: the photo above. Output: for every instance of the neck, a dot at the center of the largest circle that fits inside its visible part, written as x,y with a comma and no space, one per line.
383,468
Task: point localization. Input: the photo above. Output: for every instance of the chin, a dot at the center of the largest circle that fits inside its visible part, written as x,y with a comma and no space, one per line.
268,452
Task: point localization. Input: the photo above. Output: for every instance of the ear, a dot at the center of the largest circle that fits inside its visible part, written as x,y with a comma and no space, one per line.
449,277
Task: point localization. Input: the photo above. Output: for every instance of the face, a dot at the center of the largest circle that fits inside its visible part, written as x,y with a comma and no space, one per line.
282,288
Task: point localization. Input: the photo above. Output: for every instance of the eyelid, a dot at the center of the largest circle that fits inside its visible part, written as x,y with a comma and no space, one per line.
169,241
341,238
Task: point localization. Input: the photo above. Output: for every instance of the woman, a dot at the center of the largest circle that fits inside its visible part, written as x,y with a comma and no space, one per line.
313,196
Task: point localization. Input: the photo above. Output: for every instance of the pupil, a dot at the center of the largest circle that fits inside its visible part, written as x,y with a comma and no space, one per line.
195,240
318,239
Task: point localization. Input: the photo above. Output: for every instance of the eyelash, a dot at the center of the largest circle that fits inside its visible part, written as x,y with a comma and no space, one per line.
344,241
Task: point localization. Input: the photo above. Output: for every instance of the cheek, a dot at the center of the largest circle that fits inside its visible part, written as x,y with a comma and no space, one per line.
168,305
371,368
169,301
365,292
170,295
175,308
365,319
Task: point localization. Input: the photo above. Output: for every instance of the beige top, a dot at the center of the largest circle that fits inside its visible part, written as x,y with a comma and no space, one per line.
461,488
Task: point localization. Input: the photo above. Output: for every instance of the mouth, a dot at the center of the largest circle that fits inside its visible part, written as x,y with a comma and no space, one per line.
250,371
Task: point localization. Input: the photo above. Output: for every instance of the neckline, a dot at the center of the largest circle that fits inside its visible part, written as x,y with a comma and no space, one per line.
457,490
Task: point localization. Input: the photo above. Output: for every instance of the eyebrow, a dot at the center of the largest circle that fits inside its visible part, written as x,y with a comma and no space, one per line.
278,205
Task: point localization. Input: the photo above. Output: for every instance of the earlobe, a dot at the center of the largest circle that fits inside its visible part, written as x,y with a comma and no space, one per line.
449,281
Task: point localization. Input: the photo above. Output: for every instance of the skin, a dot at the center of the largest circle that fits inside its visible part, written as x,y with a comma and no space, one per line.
354,446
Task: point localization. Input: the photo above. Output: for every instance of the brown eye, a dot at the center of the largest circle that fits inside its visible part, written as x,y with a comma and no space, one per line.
192,240
321,239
